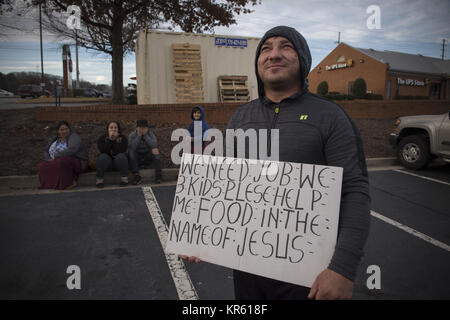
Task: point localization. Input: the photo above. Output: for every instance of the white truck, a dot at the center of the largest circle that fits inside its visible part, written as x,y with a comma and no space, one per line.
419,139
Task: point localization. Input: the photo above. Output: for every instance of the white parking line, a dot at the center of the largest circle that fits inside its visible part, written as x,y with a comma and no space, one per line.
419,176
181,279
411,231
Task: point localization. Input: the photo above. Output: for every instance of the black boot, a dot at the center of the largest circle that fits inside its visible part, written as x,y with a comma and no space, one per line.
158,167
158,176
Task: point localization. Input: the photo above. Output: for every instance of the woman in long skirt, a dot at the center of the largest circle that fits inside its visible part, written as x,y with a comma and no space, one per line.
65,159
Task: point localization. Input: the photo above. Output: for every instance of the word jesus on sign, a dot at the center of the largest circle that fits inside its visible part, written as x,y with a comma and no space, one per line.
274,219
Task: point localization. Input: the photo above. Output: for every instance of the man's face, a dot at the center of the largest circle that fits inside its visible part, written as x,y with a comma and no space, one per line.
278,62
142,130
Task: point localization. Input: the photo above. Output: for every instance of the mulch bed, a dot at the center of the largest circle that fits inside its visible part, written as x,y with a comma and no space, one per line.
23,139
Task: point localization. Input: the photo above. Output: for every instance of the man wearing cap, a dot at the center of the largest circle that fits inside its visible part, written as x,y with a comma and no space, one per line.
143,149
312,130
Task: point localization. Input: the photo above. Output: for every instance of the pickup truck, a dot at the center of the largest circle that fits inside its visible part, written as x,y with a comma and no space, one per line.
32,90
419,139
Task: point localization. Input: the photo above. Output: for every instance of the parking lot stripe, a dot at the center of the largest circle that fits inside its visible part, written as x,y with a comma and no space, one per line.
411,231
419,176
182,281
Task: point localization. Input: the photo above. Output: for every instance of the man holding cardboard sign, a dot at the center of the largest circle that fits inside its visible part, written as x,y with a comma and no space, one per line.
312,130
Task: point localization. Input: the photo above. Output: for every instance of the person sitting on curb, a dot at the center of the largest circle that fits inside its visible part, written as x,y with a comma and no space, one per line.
198,117
112,147
65,159
143,150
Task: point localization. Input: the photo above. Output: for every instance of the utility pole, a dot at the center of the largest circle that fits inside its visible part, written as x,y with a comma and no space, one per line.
443,49
339,38
76,51
40,33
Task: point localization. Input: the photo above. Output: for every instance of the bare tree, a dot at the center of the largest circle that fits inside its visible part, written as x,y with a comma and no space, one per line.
112,26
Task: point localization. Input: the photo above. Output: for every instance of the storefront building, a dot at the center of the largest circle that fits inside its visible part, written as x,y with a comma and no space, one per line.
393,75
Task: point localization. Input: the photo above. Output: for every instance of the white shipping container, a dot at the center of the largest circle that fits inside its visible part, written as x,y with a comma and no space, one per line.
154,65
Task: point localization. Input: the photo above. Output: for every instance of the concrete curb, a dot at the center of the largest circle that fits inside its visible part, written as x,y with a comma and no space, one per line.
382,162
12,184
9,184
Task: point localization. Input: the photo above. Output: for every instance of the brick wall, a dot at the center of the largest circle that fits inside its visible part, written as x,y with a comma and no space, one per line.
159,115
220,113
388,109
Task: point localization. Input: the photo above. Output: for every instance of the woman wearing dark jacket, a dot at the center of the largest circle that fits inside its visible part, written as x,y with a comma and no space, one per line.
65,159
113,148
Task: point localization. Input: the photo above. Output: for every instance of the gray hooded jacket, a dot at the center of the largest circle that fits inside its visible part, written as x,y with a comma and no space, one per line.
142,144
75,147
326,136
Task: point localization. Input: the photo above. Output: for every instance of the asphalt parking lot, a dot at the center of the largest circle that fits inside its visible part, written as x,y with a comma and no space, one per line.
111,236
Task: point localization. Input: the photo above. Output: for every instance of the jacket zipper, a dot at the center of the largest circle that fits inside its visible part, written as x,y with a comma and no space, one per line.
274,122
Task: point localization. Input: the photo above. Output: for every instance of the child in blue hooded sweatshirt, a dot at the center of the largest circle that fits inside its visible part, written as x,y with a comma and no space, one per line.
198,117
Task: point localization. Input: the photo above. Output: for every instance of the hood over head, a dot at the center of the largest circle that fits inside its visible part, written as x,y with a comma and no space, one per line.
205,126
202,117
300,45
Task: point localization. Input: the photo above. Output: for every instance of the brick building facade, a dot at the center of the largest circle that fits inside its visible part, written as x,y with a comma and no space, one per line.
390,74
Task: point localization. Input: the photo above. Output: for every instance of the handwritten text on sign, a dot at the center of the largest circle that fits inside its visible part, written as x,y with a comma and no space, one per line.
275,219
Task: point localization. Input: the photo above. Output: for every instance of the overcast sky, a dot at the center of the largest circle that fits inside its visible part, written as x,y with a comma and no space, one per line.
411,26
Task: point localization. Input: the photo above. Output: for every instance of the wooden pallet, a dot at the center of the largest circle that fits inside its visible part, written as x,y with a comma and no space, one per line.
233,88
188,76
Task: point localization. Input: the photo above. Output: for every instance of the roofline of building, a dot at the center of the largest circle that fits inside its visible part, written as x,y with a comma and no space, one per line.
343,43
198,34
365,53
411,54
399,70
377,60
444,75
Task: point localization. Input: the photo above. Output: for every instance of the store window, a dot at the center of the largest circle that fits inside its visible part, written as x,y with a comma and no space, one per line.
435,90
350,87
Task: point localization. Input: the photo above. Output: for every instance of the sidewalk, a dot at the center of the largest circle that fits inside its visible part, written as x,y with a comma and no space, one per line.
12,185
51,100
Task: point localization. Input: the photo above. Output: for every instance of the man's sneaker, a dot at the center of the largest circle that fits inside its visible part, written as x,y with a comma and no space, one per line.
158,177
99,183
137,179
123,181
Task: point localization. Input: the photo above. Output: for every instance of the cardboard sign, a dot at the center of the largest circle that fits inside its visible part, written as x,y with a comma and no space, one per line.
274,219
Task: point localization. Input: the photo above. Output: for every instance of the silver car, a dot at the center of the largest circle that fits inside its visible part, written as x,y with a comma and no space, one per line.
4,93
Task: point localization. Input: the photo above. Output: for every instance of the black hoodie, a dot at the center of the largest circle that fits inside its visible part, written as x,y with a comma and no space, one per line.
315,130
